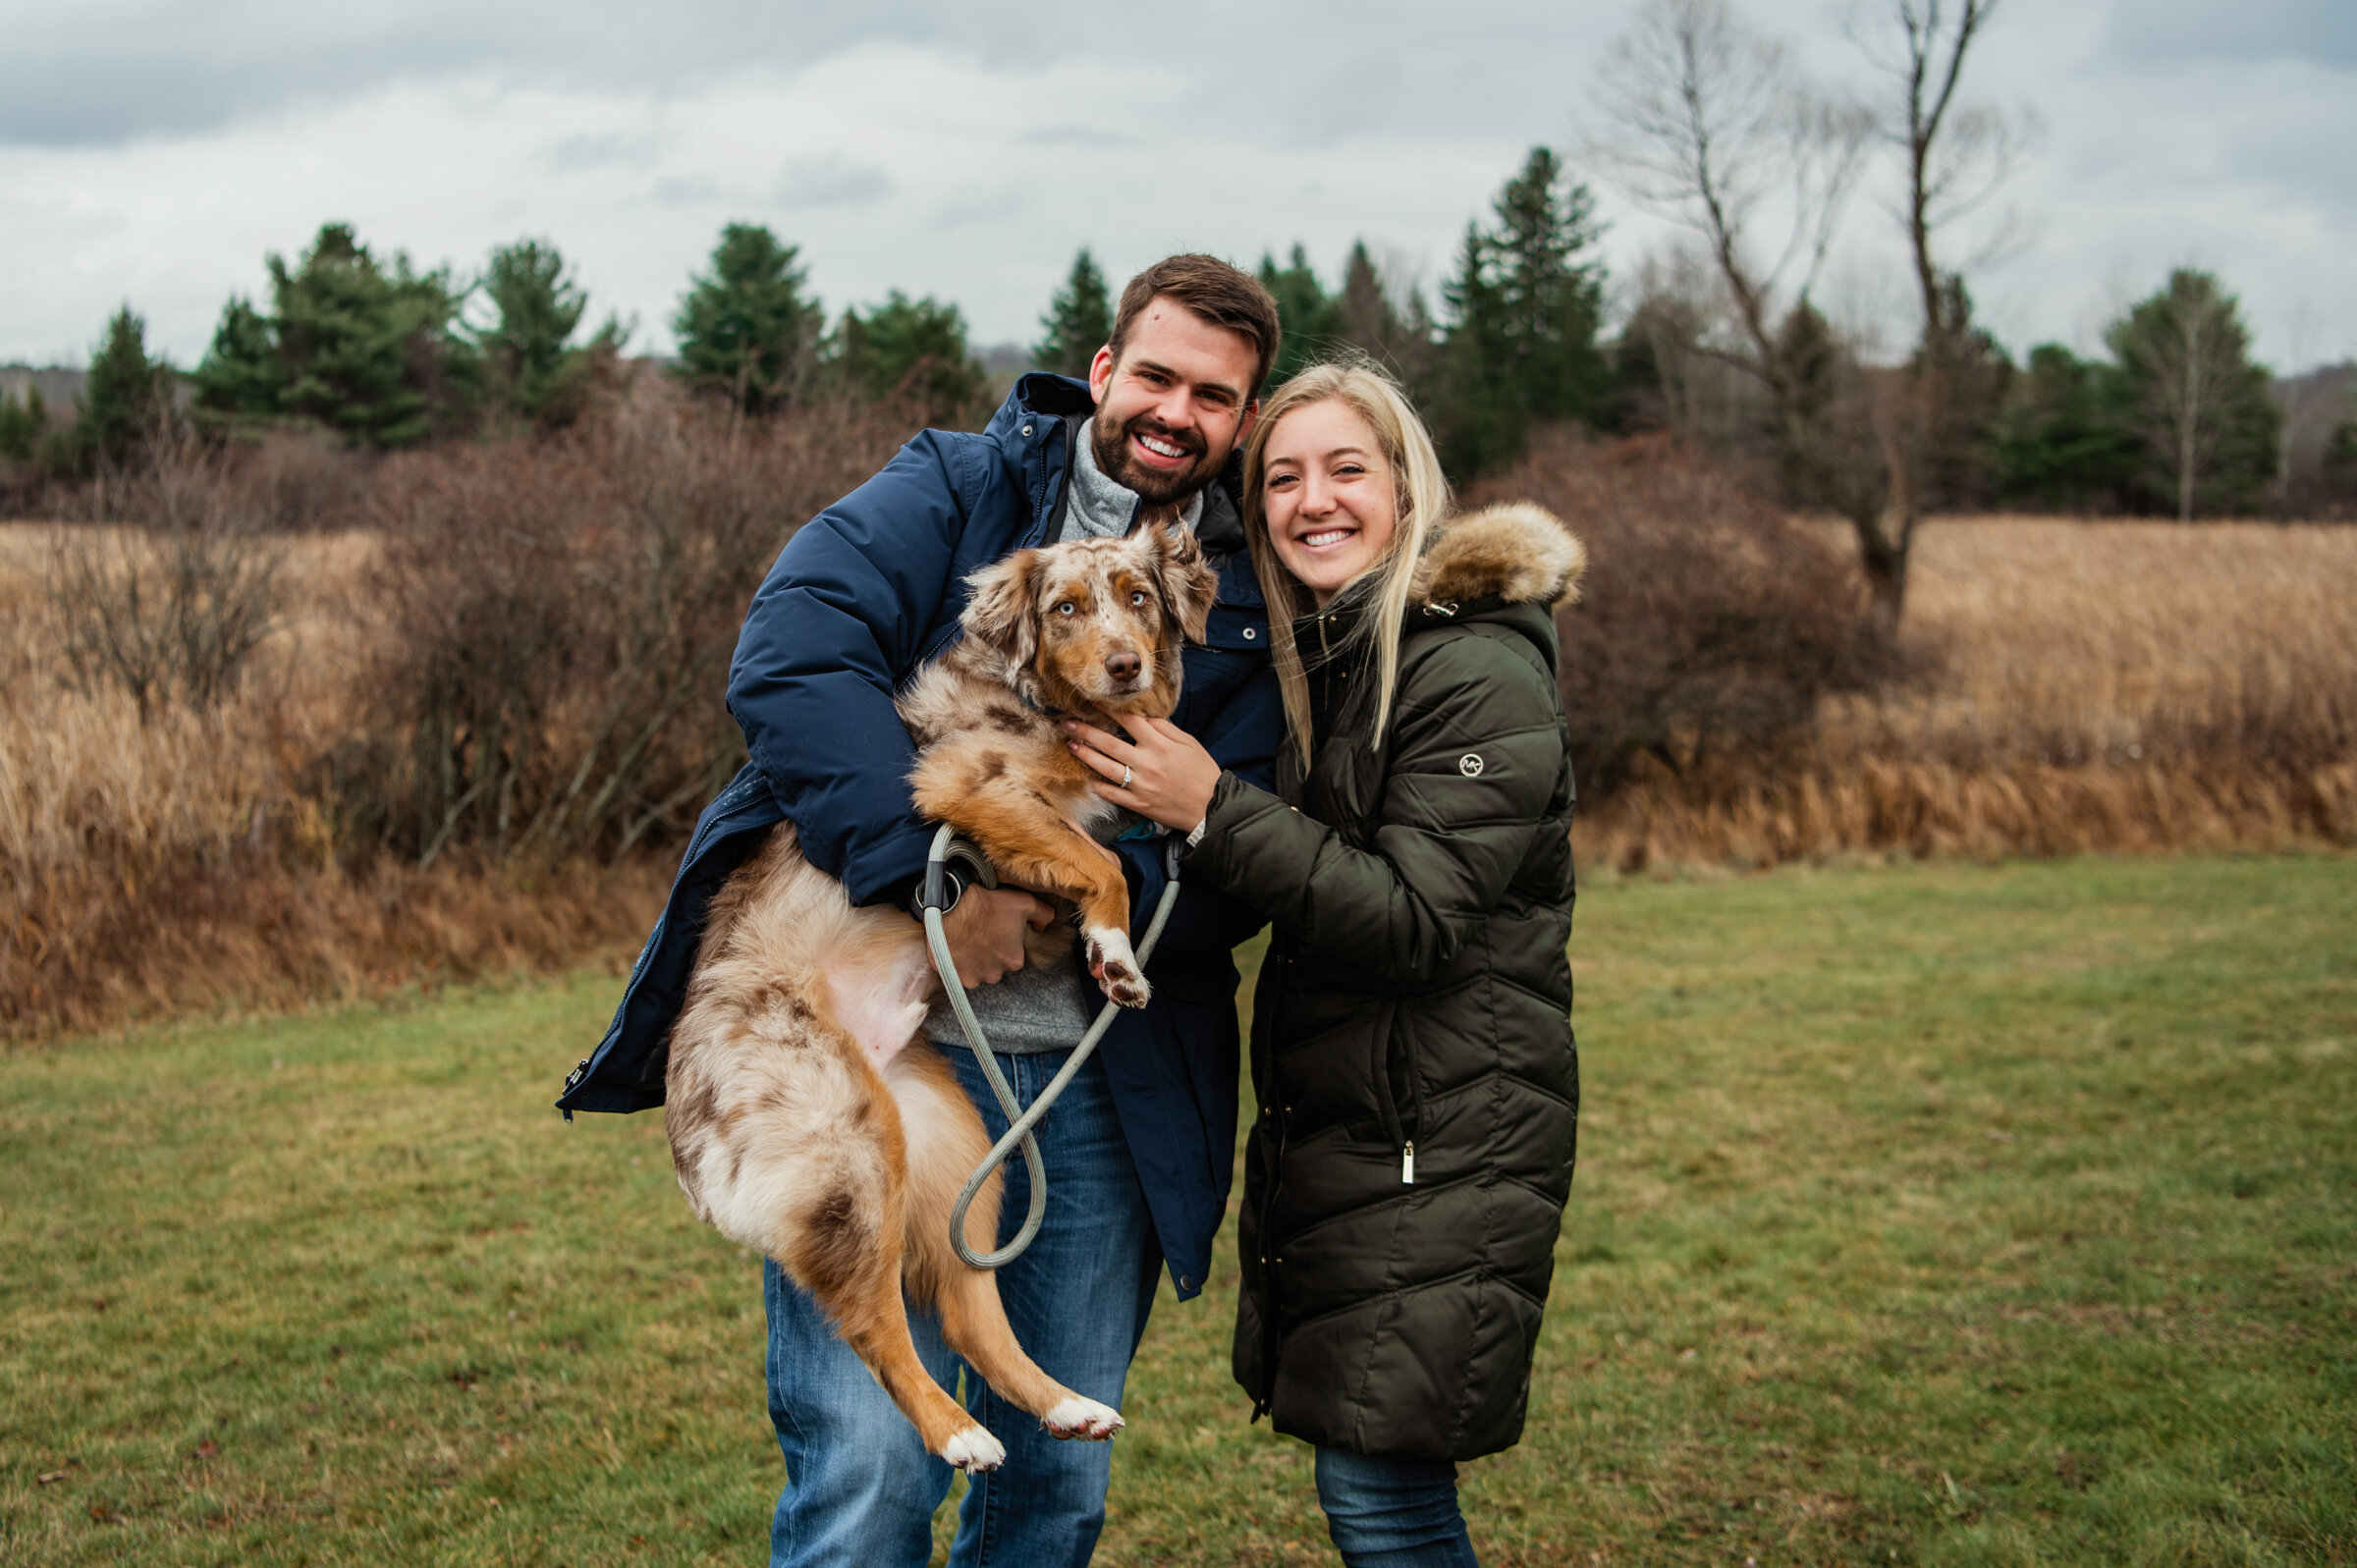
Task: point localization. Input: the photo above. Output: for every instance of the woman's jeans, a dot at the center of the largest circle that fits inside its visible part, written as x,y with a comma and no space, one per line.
862,1489
1392,1513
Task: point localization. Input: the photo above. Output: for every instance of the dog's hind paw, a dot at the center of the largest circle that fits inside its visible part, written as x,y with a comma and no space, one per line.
1085,1419
1115,966
975,1450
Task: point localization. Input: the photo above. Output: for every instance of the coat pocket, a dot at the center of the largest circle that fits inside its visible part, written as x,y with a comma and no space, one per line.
1399,1099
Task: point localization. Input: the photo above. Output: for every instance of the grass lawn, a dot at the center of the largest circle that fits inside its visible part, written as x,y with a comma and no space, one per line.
1946,1215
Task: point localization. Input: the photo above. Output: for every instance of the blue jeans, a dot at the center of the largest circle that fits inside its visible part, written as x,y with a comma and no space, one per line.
1392,1513
862,1488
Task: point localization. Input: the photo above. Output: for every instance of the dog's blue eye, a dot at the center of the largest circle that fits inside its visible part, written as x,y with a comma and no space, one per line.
1067,608
1138,598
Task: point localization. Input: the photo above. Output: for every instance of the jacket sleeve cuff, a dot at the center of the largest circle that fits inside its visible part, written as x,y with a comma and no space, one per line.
887,870
1233,799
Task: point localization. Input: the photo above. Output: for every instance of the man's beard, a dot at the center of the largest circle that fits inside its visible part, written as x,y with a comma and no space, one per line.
1154,486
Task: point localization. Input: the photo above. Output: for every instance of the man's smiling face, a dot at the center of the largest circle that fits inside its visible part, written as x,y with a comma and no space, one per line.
1175,405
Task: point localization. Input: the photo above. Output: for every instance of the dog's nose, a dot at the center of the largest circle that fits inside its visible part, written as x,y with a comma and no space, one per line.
1124,666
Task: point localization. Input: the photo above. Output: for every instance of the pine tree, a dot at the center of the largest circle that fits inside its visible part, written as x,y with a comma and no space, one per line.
241,377
22,423
2200,406
126,393
1079,320
2060,440
912,350
1524,306
1481,420
745,329
369,349
530,362
1363,315
1305,315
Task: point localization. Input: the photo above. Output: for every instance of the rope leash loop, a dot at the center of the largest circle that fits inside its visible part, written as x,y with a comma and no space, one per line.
947,845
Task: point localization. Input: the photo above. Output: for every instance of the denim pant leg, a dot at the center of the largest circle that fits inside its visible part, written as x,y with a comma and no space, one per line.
1392,1513
1077,1300
861,1488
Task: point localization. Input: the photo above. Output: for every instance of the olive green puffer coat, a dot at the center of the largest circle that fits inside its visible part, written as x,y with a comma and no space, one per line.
1411,1046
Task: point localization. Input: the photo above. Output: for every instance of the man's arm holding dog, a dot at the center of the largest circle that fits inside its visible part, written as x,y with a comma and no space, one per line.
834,628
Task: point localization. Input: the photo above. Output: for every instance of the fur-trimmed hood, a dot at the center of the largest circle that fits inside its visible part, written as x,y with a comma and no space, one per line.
1517,551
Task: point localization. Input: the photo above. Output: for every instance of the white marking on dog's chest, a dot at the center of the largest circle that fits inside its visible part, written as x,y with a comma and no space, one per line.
881,1006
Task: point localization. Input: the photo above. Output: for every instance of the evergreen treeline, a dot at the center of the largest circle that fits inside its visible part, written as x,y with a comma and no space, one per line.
364,344
2178,419
367,346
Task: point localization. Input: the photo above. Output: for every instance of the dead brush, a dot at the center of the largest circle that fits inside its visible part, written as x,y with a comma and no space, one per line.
553,624
169,594
2122,687
264,848
1712,627
519,670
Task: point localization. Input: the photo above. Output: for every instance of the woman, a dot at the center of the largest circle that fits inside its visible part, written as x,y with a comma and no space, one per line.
1410,1044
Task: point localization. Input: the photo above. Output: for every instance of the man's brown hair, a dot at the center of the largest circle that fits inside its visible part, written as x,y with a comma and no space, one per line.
1214,291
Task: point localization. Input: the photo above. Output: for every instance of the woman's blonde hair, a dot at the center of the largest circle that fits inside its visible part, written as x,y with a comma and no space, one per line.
1421,502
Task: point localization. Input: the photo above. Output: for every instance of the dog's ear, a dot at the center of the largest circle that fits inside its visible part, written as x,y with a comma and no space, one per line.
1004,612
1188,584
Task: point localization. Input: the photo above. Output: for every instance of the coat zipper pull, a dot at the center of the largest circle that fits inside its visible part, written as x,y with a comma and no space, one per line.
1407,1164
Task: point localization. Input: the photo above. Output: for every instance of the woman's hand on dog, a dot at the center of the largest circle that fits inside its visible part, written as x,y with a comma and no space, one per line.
985,931
1170,775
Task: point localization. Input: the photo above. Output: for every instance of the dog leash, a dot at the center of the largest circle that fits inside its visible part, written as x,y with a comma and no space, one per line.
947,845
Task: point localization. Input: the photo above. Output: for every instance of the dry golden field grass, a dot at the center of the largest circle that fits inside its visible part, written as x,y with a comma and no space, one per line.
2118,686
2129,686
185,863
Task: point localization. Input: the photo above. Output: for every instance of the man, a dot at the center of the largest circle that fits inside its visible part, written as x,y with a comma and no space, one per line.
1140,1145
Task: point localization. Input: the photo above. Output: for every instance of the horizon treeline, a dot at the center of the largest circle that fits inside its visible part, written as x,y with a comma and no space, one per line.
362,344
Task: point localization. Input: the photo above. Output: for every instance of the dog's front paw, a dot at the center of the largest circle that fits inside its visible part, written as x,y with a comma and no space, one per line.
1085,1419
1111,960
974,1450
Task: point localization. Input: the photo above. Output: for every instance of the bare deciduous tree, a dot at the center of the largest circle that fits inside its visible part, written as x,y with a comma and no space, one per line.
1715,127
1711,125
171,606
1953,158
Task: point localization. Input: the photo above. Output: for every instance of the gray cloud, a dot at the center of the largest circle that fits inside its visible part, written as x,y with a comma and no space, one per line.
686,190
601,150
2317,31
155,150
1073,135
98,73
805,184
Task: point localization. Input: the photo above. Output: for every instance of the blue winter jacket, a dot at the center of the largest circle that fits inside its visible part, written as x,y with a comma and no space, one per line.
862,596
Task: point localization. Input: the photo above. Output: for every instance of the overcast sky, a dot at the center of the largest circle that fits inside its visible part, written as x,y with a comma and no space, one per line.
155,152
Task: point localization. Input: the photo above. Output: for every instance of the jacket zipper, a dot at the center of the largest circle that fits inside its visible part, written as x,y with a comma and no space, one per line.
1415,1110
1402,1129
1064,485
1272,1104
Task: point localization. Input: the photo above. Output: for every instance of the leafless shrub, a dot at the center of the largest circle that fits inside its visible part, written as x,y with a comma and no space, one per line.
557,621
298,479
1712,624
169,602
2133,687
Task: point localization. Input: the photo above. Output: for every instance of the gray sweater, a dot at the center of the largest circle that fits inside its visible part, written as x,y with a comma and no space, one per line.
1050,1009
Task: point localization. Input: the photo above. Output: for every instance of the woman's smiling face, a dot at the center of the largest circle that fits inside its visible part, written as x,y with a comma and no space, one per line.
1327,496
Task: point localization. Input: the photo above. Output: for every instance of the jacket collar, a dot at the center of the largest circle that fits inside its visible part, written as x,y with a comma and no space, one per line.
1511,554
1034,429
